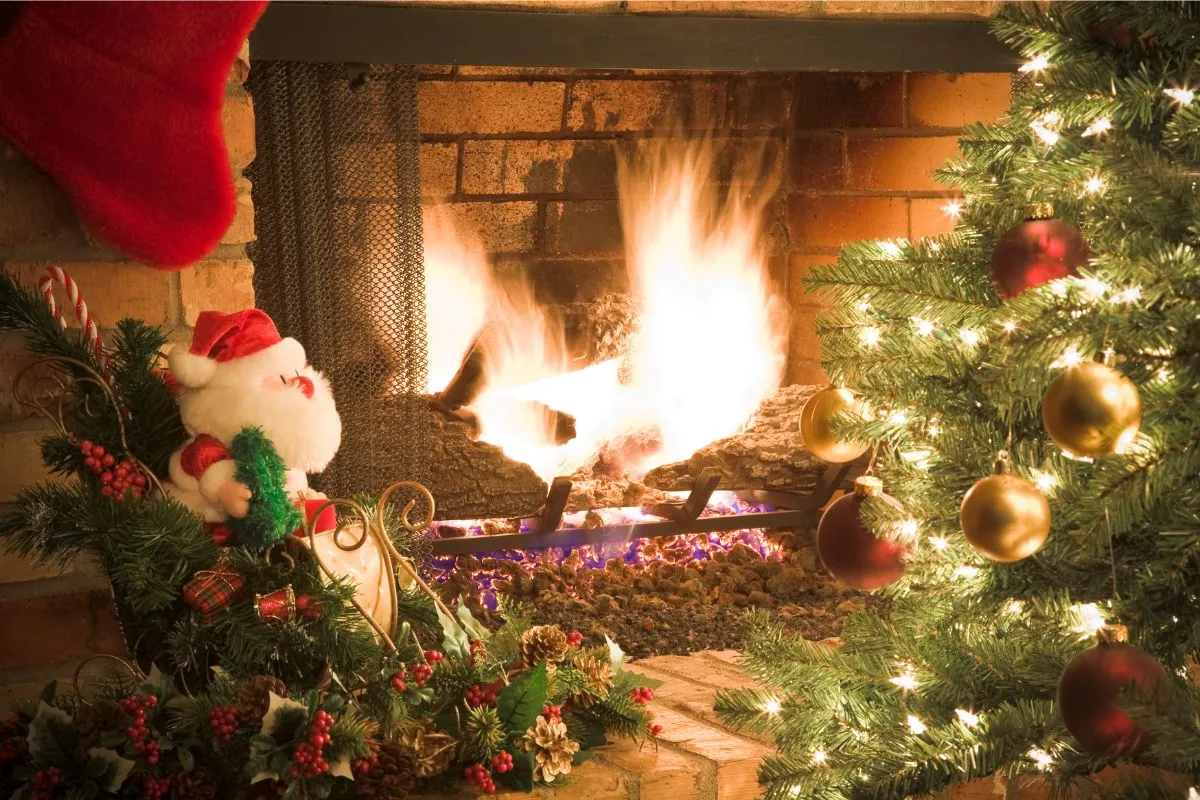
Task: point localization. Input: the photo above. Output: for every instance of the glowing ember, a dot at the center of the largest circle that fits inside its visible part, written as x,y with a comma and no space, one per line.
698,270
680,549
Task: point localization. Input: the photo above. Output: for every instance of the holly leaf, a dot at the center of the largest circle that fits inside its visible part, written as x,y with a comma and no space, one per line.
582,756
108,768
473,626
454,639
52,735
186,759
587,730
522,700
157,683
615,655
341,768
520,777
276,708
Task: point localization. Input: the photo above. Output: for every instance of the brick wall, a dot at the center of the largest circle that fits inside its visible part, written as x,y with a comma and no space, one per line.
525,157
49,619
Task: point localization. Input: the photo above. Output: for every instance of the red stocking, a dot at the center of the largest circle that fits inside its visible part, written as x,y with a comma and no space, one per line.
121,104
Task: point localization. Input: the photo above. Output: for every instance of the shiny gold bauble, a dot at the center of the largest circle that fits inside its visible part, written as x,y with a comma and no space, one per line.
1005,517
815,425
1092,411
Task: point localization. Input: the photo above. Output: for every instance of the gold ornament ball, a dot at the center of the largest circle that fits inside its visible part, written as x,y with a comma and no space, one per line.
815,425
1005,517
1092,411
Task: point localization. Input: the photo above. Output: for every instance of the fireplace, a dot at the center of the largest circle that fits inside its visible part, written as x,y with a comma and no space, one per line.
536,287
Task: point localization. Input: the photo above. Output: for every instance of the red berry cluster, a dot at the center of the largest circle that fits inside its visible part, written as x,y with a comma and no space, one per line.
224,722
398,682
654,730
422,673
139,732
434,657
14,744
642,695
155,788
116,477
478,775
502,762
478,651
478,696
308,608
574,638
551,712
44,781
309,756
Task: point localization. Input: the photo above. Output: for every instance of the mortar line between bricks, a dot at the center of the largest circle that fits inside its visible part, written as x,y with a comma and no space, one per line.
567,134
10,676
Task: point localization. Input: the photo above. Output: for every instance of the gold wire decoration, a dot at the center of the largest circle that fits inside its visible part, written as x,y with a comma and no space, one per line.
49,395
375,531
133,670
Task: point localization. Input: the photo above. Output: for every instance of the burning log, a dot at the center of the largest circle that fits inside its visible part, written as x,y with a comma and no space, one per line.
600,329
768,454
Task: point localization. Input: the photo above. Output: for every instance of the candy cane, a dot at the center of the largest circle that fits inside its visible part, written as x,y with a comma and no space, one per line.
91,333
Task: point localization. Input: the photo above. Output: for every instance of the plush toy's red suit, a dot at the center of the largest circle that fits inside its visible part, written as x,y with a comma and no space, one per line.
238,373
120,103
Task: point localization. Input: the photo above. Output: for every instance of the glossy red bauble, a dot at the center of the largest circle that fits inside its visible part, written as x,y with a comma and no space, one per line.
1091,685
850,551
1034,252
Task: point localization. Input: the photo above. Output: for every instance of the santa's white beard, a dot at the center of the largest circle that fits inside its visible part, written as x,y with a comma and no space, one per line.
306,431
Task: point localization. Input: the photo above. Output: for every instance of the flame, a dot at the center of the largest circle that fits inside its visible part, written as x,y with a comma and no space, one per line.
698,269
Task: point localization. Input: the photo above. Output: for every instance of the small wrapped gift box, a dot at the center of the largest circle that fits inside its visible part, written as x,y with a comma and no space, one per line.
211,590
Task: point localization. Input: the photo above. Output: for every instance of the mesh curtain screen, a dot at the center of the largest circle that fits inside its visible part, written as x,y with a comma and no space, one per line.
338,261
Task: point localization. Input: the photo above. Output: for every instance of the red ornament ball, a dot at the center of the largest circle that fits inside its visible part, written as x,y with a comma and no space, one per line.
1091,685
850,551
1034,252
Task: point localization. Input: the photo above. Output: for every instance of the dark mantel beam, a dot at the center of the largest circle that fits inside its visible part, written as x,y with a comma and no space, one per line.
394,34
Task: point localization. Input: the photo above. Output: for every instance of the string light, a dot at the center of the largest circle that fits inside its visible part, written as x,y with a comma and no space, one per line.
1014,606
970,338
966,717
771,706
1130,295
1036,64
1009,326
1044,480
907,681
953,208
1089,618
966,571
1043,128
1164,375
1094,287
918,458
939,543
1068,359
934,429
1098,127
1193,793
864,306
898,417
1041,758
909,528
890,249
915,726
1094,185
1181,96
819,757
870,336
924,326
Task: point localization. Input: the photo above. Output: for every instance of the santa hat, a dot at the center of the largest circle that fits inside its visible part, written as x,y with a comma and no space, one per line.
224,342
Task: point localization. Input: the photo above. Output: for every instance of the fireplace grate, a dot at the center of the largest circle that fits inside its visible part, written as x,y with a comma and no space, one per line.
338,260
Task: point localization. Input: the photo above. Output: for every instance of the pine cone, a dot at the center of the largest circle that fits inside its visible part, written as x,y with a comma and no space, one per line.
553,749
599,675
93,719
543,643
434,749
393,777
194,785
254,697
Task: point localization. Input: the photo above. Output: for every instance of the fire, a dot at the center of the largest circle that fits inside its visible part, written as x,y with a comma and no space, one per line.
698,269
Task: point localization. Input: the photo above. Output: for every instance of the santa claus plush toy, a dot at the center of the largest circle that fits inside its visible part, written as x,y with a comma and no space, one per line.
239,373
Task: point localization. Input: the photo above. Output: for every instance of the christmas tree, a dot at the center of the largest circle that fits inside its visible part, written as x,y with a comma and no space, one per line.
971,354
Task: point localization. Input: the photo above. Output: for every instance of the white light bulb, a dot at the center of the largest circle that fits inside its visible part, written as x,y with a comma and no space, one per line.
1044,480
1088,618
1041,758
1094,287
970,338
1181,96
907,681
1193,793
864,306
819,757
1035,64
939,543
771,706
966,571
915,726
966,717
1015,606
870,336
1070,358
1164,375
1093,185
1130,295
1098,127
1009,326
1048,137
953,208
934,247
924,326
909,528
890,249
899,417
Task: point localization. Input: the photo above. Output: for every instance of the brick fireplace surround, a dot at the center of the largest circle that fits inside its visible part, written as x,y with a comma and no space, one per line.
525,158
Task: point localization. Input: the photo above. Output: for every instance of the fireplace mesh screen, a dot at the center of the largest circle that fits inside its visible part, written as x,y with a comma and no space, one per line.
338,261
